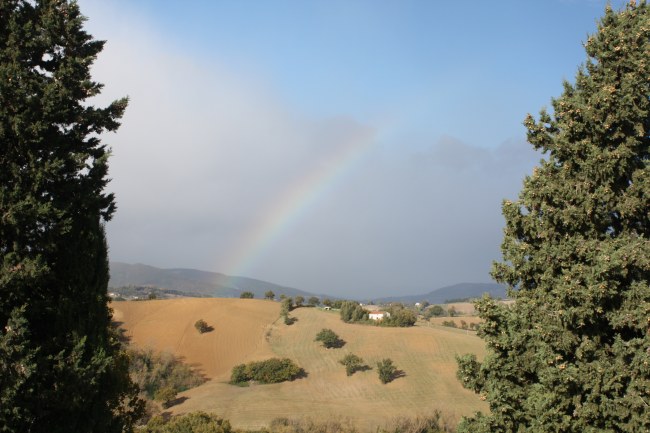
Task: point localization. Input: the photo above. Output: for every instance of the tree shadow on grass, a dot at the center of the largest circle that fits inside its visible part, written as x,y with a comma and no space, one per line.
363,368
120,332
337,344
290,320
174,402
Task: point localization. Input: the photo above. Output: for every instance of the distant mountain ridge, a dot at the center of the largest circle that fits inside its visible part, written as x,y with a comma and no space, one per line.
456,291
214,284
193,281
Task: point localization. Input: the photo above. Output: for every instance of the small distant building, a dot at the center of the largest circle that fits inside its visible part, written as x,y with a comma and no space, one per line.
378,315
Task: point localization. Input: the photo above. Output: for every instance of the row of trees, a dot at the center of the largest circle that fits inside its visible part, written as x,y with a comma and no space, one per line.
353,363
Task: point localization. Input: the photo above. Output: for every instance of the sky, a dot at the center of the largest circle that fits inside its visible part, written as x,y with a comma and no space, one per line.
350,148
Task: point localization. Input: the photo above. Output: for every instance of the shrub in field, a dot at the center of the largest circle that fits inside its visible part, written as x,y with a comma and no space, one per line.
329,339
386,370
352,363
202,326
272,370
195,422
449,323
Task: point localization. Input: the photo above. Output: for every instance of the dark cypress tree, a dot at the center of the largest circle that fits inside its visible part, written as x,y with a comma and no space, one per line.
61,369
572,354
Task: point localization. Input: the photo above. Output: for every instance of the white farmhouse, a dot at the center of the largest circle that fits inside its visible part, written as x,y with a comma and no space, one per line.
378,315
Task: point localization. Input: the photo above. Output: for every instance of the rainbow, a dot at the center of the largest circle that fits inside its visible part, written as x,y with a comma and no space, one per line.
291,205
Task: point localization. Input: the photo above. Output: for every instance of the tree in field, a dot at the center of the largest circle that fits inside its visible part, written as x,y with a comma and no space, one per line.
386,370
61,367
352,363
286,306
434,311
299,300
352,312
572,354
329,339
247,295
269,295
401,317
313,301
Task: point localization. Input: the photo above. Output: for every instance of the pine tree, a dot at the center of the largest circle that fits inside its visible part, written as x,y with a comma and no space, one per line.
60,364
572,354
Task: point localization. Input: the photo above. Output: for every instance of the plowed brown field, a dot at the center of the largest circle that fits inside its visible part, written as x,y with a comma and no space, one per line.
248,330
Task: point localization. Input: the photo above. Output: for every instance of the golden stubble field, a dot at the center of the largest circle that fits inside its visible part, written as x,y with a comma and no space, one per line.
247,330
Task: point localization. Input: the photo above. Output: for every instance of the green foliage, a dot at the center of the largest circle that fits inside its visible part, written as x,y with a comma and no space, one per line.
433,423
61,368
451,311
270,295
386,370
202,326
329,339
272,370
352,312
449,323
286,306
352,363
153,371
299,300
195,422
434,311
399,317
285,425
165,395
247,295
571,353
313,301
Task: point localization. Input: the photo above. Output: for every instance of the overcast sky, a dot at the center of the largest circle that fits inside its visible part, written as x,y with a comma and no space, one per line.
353,148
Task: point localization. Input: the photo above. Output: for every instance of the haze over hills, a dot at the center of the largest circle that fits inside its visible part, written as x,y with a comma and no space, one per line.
457,291
193,282
213,284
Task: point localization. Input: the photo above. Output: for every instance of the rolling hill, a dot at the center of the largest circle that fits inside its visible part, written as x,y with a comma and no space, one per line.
193,282
247,330
457,291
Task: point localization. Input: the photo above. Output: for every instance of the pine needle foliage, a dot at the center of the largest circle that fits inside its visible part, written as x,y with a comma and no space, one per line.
572,354
61,368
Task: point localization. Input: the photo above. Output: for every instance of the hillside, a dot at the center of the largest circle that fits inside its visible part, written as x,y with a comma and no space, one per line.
454,292
247,330
194,282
